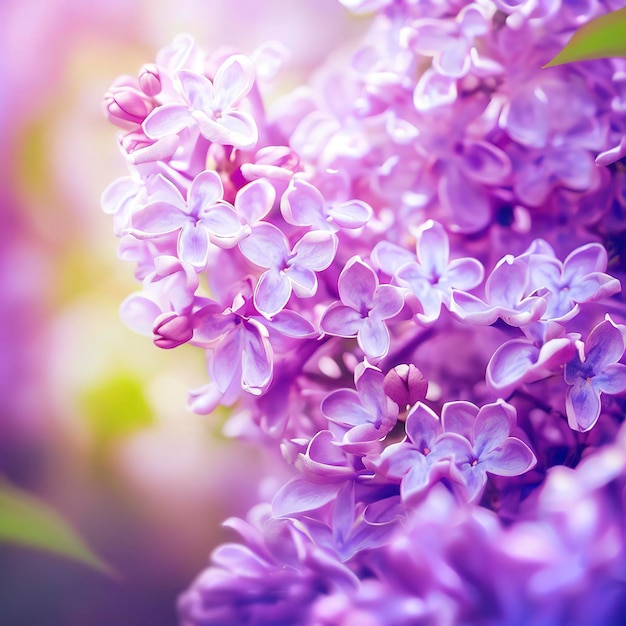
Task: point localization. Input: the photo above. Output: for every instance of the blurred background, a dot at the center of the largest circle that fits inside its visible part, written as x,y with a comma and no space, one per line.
93,419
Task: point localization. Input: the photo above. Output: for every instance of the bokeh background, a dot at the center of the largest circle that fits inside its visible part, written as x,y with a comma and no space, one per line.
93,418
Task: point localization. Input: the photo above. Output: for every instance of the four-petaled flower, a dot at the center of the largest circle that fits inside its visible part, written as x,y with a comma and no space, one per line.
212,106
578,279
362,417
205,217
434,276
592,372
479,441
364,307
288,269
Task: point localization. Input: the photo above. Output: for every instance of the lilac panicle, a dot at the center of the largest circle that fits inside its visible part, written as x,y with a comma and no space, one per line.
398,275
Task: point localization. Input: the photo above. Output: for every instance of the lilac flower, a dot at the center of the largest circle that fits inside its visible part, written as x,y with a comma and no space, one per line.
443,122
272,580
288,269
364,307
364,416
580,278
449,43
203,218
239,351
433,277
594,371
412,461
211,105
479,441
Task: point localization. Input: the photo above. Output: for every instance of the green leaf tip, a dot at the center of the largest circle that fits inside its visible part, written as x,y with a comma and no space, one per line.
601,38
29,522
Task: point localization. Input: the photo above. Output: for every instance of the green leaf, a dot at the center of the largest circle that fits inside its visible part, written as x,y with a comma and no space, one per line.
603,37
29,522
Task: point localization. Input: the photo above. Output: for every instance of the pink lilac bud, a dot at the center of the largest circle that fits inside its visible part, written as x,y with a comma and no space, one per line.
150,79
126,106
172,330
405,385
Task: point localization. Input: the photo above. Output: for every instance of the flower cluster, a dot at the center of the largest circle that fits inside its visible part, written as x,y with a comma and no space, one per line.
405,277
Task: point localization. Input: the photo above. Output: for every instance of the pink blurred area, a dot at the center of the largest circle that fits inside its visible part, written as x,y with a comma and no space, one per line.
146,491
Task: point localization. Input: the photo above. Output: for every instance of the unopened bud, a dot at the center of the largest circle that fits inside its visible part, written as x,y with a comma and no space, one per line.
126,106
172,330
405,385
150,79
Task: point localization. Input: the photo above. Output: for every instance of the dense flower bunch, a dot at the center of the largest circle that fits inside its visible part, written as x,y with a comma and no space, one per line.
405,277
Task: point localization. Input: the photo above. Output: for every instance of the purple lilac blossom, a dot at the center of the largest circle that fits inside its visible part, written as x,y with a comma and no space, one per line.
595,370
364,307
371,204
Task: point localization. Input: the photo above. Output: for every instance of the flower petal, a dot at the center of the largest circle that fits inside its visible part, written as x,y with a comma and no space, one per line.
373,338
612,379
423,427
227,358
357,284
492,426
168,119
206,189
157,219
256,371
433,249
510,363
272,292
139,313
255,200
266,246
292,324
512,458
458,417
604,345
582,405
344,407
193,244
316,250
303,205
464,273
198,90
341,321
233,80
389,258
300,495
303,281
351,214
